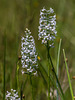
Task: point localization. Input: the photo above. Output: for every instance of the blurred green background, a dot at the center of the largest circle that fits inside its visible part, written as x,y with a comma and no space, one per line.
15,16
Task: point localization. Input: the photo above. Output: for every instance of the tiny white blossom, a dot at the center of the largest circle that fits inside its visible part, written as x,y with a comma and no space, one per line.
13,95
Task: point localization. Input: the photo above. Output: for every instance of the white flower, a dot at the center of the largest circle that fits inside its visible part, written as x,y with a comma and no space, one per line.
13,95
28,52
47,27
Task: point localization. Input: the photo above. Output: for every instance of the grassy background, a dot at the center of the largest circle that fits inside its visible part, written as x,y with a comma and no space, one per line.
15,16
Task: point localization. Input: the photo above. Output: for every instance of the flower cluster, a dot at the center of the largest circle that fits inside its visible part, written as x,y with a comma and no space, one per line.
13,95
47,27
28,52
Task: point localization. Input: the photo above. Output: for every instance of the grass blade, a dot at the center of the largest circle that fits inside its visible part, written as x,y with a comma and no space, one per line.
58,64
17,66
4,66
68,75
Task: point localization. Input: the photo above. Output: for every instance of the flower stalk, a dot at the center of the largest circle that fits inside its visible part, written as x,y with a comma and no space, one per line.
4,66
31,86
53,70
48,72
47,33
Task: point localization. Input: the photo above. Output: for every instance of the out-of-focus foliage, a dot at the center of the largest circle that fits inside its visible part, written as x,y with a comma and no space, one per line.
15,16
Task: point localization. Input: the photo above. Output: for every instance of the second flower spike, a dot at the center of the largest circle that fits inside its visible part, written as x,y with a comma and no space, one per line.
28,52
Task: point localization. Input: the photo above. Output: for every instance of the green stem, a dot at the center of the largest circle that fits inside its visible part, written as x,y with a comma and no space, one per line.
48,82
68,75
17,77
53,70
21,91
17,66
48,72
31,87
4,67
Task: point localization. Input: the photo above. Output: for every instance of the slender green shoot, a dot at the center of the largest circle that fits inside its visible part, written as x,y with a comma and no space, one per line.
21,90
31,87
17,72
4,66
48,71
48,82
53,70
68,75
17,66
58,65
23,84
